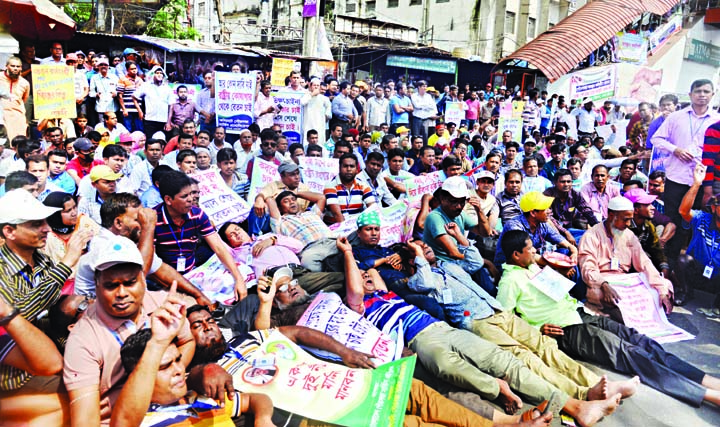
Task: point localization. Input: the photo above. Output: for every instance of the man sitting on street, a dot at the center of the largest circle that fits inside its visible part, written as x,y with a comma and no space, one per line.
345,196
570,213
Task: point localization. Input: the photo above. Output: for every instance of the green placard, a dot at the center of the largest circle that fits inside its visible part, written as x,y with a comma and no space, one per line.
447,66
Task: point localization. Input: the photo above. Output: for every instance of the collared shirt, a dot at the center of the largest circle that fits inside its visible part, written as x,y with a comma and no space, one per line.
81,83
284,251
424,107
535,183
505,166
82,171
598,201
262,103
711,154
683,129
402,101
352,200
141,177
586,119
11,164
544,232
90,206
306,227
64,182
366,256
157,100
517,293
379,188
214,150
276,187
597,250
467,301
32,290
126,87
206,102
419,167
151,197
565,211
377,111
509,206
173,241
104,86
181,111
92,353
343,107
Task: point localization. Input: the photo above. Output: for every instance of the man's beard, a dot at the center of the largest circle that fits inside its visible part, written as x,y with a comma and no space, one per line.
298,301
617,233
211,353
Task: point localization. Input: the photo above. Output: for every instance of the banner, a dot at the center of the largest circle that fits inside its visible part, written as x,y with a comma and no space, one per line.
596,84
218,201
281,68
640,307
216,282
318,171
54,92
290,117
299,383
309,8
631,48
264,173
392,228
512,125
323,68
454,112
605,131
234,98
329,315
658,158
422,184
661,35
193,90
517,109
506,109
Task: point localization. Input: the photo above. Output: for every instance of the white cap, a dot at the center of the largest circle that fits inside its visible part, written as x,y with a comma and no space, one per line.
19,206
620,204
280,273
457,187
159,135
115,250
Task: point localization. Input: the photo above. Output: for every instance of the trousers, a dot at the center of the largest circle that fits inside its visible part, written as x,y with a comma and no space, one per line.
470,362
603,340
540,353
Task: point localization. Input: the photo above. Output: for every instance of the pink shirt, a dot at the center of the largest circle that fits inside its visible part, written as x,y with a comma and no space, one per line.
284,251
473,110
683,129
599,201
92,353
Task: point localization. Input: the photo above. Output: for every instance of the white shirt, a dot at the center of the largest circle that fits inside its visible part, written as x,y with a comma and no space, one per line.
423,106
157,100
586,118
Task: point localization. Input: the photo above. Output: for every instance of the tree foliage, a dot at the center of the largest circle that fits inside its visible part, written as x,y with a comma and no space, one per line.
79,12
167,22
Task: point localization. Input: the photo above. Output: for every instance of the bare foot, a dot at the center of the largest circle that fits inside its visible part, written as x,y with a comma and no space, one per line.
600,390
591,412
507,399
625,388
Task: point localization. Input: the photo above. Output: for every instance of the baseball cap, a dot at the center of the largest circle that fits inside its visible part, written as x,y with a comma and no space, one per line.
484,174
71,57
104,172
115,250
503,87
620,204
18,206
456,186
638,195
159,135
529,141
287,167
103,61
535,201
80,52
124,137
129,51
280,273
401,129
82,144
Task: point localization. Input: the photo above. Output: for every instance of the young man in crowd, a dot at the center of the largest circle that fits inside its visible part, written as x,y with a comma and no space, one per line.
345,195
57,175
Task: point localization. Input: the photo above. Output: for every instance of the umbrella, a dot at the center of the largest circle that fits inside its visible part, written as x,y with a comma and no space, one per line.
36,20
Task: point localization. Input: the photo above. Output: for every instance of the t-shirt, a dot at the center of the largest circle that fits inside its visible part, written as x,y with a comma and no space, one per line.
74,165
385,309
173,242
705,243
353,200
435,227
402,102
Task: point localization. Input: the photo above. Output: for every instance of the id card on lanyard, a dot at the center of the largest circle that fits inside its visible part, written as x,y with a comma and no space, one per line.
181,261
710,267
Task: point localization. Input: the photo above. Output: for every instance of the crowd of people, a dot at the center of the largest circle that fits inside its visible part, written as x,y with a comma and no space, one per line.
101,225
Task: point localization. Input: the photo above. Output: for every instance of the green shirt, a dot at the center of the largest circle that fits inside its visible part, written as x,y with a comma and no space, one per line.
435,227
517,293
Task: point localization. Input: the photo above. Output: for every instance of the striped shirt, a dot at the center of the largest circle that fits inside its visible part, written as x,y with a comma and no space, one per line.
710,157
385,309
173,241
126,87
353,200
306,227
32,291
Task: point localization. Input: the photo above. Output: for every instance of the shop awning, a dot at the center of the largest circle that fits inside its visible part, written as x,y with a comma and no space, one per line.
561,48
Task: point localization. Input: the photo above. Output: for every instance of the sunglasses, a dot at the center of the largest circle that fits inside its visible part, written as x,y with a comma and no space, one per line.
270,144
284,287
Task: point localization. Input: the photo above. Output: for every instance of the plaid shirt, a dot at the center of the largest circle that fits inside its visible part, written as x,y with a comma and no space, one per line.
32,291
565,212
306,227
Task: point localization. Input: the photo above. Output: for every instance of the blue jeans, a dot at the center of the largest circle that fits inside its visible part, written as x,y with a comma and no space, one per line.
132,122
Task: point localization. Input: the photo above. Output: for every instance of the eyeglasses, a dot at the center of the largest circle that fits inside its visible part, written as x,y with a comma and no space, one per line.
285,286
269,144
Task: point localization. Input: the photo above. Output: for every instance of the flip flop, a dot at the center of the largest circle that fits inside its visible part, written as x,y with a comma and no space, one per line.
530,414
553,405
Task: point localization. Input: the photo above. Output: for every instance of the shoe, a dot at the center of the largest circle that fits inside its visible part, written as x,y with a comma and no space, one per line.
710,313
682,296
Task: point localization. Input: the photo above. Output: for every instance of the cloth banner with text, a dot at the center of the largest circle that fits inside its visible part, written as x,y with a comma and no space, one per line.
217,200
234,99
454,112
299,383
318,171
281,68
290,117
216,282
263,173
53,91
392,225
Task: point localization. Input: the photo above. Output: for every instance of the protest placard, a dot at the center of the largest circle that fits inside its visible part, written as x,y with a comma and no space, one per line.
54,91
506,109
216,282
392,225
658,158
454,112
422,184
605,131
329,315
517,109
596,83
281,68
290,117
552,283
631,48
218,201
263,173
318,171
511,125
640,307
234,99
321,390
193,90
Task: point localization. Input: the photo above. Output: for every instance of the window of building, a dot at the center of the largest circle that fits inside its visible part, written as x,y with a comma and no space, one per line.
393,3
415,2
350,7
201,9
509,22
442,1
531,28
370,6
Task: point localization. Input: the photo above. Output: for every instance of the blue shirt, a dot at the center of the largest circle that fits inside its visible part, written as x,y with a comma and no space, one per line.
654,126
435,227
366,257
173,241
403,102
63,181
343,107
385,309
151,197
543,233
705,243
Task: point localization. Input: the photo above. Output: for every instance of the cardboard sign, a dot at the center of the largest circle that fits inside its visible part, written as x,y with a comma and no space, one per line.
218,201
392,225
234,98
290,117
318,171
454,112
53,91
281,68
264,173
322,390
216,282
512,125
422,184
193,90
329,315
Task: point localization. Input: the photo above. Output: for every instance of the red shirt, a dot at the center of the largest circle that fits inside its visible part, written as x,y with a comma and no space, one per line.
81,170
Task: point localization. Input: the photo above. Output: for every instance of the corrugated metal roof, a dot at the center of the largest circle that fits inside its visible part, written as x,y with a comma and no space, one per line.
561,48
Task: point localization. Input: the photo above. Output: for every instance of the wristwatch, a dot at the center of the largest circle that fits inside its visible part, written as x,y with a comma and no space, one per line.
7,319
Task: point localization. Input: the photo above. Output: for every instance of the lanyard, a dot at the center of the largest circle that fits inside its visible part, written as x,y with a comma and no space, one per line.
27,278
348,193
170,224
117,336
694,132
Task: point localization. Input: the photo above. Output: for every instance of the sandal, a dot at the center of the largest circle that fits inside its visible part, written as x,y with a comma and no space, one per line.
711,313
530,414
553,405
